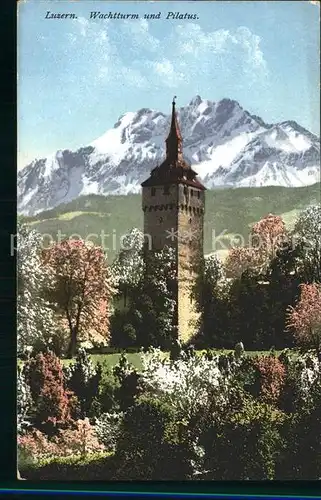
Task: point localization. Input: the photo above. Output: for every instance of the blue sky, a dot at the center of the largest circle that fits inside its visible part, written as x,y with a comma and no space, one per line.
76,77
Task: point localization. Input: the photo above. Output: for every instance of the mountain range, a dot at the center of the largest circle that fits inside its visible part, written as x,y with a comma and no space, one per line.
226,145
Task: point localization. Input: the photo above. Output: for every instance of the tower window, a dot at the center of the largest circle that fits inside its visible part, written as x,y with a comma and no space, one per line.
198,194
192,192
185,191
153,191
166,189
161,219
190,221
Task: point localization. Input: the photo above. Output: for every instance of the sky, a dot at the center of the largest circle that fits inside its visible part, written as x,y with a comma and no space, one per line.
76,77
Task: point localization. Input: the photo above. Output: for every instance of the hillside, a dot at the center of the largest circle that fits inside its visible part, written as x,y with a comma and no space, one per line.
232,210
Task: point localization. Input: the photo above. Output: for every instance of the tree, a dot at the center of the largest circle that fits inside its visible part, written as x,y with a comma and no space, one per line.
149,320
305,318
127,269
53,404
83,379
266,237
307,231
24,402
80,289
212,297
239,260
245,428
268,234
150,445
36,323
302,433
258,271
213,270
157,305
272,377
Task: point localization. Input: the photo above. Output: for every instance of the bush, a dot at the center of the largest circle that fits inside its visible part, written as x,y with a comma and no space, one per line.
128,378
149,447
35,444
302,433
244,443
72,468
53,404
80,440
108,387
272,375
83,379
108,429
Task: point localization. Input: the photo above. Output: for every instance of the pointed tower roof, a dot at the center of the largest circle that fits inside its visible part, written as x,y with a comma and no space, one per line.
174,132
174,141
174,169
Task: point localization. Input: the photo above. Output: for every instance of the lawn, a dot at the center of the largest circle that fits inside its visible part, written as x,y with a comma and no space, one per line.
111,360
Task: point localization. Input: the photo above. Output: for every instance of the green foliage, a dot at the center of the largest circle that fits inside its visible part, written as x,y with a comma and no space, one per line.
244,443
108,390
123,332
302,433
108,429
149,319
251,308
25,459
127,377
83,379
149,446
71,468
308,230
159,436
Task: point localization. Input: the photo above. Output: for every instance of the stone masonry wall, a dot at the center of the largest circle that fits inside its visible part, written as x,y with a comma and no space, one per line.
177,219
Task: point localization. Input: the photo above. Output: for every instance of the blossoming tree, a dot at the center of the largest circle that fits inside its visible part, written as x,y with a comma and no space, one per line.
305,318
35,319
81,288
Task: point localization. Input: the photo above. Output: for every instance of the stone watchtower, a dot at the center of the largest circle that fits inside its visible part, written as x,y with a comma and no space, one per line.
173,202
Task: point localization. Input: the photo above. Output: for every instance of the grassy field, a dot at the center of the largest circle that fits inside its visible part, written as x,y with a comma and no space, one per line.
110,360
233,211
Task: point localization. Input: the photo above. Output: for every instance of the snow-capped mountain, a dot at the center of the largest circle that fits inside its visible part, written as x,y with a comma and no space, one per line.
225,144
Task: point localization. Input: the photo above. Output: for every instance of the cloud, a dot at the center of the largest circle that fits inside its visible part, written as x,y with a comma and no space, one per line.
191,39
167,73
251,44
194,43
129,54
105,63
140,35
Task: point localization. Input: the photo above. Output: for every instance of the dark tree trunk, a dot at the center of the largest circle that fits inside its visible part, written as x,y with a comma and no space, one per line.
71,351
125,296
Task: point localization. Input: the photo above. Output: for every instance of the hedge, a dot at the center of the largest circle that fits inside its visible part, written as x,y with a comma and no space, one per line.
72,468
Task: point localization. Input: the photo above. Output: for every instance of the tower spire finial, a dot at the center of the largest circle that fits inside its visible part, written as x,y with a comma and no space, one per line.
174,139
